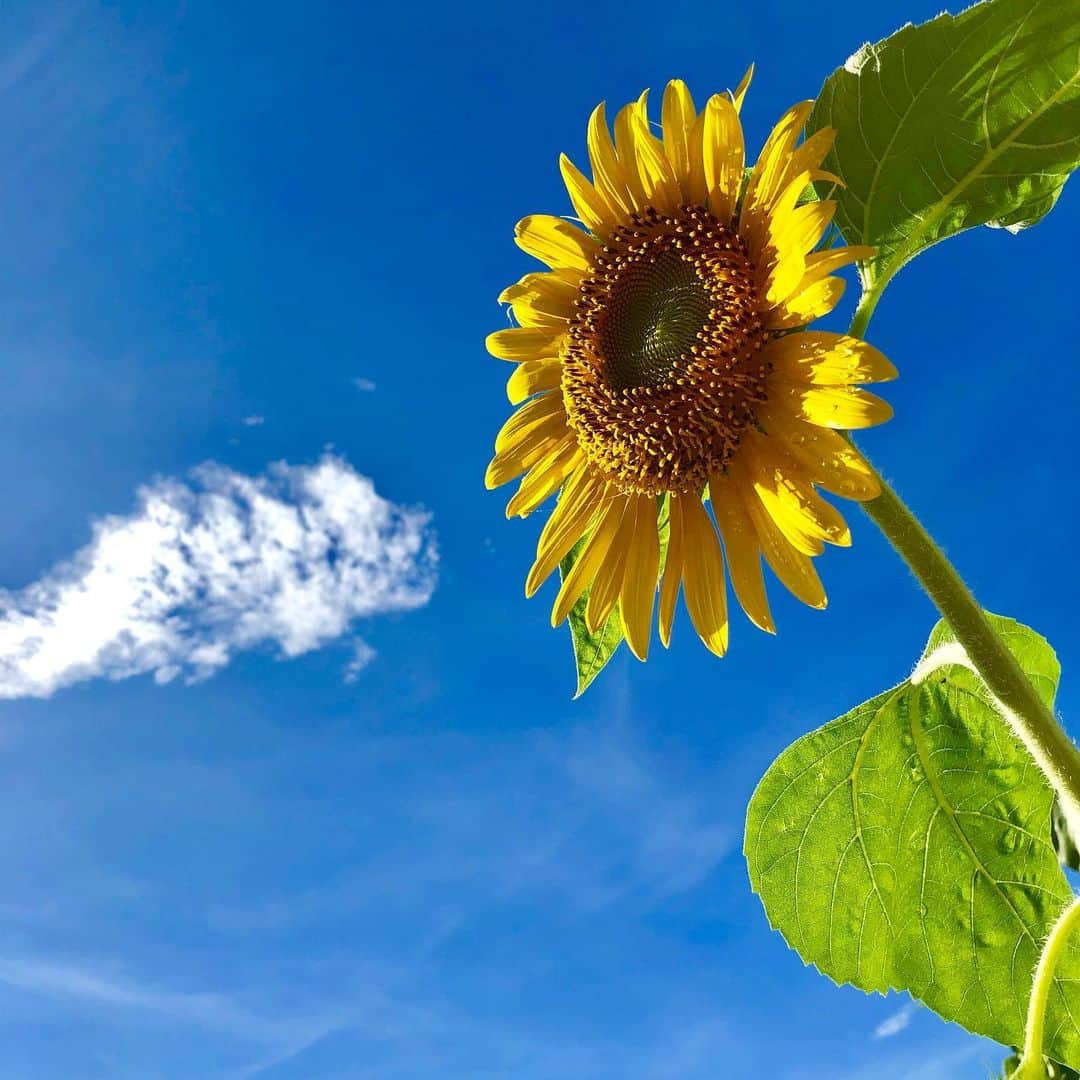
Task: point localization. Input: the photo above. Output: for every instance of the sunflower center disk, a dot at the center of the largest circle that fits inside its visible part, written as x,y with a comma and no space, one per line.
662,370
653,319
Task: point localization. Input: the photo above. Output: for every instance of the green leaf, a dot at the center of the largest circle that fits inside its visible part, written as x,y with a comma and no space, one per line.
972,119
906,845
593,651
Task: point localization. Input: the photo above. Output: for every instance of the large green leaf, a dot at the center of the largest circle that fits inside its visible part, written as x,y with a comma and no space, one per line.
966,120
593,651
906,845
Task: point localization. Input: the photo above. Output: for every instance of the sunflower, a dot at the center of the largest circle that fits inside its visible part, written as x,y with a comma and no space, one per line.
664,356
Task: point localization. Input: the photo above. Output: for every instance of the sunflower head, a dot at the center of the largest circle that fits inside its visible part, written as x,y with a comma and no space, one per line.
664,353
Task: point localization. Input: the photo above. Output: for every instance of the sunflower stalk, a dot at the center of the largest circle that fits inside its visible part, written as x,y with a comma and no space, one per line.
1014,696
865,310
1032,1065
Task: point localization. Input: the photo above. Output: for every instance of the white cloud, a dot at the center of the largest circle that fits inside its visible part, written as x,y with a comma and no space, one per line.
253,421
363,654
894,1024
202,570
366,385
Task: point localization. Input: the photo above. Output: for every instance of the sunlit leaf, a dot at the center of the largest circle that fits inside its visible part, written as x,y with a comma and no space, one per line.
906,845
966,120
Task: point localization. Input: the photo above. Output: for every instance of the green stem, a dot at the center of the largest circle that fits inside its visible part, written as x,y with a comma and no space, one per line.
1019,703
1031,1060
867,302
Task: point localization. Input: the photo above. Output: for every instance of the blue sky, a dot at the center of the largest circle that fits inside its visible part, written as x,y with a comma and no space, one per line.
367,833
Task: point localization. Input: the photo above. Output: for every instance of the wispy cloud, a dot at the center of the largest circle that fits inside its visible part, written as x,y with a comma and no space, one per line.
32,50
204,569
277,1036
415,1038
677,841
363,654
896,1022
953,1054
91,986
253,421
618,833
366,385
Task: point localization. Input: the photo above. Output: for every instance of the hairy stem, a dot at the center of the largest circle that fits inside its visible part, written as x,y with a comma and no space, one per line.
1031,1060
867,302
1030,718
1017,700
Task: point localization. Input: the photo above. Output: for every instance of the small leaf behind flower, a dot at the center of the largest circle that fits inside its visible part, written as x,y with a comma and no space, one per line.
906,845
972,119
593,651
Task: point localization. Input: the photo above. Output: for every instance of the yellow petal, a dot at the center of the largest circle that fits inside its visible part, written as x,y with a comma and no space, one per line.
829,459
844,408
826,359
809,156
658,183
789,498
590,560
626,148
739,92
779,161
743,551
590,205
826,177
608,174
703,575
555,241
544,479
541,300
526,446
673,567
533,413
767,180
805,306
820,263
806,224
697,190
784,510
678,116
525,343
558,293
723,156
782,260
792,567
531,377
638,591
581,498
527,315
608,580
